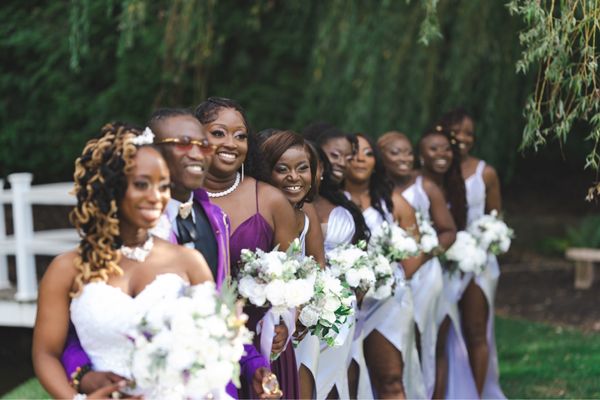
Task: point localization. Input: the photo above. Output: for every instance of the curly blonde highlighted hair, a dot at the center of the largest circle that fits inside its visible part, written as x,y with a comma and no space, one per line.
100,184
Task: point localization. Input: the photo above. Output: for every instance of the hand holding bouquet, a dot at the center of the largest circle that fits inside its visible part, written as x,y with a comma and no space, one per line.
429,242
280,280
492,234
352,265
393,242
466,254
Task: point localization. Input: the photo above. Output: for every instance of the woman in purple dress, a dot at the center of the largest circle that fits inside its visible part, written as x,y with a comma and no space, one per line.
260,215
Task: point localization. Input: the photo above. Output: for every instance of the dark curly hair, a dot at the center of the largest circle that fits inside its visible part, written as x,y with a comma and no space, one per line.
208,111
454,184
100,185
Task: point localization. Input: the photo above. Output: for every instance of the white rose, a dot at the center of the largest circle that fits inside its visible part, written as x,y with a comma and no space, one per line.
250,289
429,242
275,292
298,292
309,316
273,263
383,292
331,304
353,278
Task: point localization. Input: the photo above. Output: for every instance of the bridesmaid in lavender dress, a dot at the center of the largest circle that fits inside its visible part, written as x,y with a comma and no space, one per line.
260,215
477,304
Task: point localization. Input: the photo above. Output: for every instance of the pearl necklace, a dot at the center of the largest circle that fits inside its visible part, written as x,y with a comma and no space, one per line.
227,191
138,253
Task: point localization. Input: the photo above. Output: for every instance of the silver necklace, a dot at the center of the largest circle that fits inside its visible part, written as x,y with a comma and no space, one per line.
138,253
227,191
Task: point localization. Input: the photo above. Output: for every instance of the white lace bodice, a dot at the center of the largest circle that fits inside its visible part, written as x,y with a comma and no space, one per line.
103,314
475,187
416,196
340,228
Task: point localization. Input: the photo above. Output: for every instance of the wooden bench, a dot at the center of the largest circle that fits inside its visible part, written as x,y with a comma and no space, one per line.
584,265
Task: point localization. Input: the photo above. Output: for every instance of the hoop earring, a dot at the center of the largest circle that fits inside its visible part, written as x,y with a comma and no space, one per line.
242,172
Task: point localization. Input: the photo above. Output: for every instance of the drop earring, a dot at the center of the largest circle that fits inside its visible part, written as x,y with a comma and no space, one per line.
422,161
242,172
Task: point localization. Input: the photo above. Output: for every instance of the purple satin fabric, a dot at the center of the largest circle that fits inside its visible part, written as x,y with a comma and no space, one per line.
256,233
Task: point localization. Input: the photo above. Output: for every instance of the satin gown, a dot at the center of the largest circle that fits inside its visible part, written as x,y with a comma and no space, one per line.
426,285
256,233
394,319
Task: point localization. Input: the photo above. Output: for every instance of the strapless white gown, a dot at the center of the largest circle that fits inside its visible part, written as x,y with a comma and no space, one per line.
103,314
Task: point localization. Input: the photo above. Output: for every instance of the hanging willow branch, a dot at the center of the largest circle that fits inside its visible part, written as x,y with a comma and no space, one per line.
561,39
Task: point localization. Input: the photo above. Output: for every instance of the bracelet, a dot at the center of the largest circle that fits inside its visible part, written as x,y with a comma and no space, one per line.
77,375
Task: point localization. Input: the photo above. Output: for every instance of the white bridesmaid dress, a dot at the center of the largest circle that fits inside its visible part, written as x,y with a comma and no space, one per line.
426,285
394,319
329,365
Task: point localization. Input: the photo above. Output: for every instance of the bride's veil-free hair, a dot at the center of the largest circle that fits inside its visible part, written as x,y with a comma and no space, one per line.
100,183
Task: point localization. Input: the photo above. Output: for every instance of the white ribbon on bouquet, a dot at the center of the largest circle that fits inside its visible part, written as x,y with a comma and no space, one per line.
266,328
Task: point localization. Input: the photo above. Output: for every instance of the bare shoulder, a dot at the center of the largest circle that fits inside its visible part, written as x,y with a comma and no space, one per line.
489,172
270,194
61,270
185,259
176,252
431,188
399,201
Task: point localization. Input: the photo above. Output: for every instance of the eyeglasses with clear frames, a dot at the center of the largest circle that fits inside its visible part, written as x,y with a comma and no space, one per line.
186,143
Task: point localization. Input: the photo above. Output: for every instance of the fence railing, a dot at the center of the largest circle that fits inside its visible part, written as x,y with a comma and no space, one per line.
26,243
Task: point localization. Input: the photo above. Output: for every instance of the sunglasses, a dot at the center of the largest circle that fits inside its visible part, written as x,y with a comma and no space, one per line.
185,144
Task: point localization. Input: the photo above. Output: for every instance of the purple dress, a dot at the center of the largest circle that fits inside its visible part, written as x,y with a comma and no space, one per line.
256,233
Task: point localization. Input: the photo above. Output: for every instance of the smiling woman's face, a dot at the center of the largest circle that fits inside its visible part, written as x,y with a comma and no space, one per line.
398,157
436,153
339,152
362,165
230,135
292,174
147,191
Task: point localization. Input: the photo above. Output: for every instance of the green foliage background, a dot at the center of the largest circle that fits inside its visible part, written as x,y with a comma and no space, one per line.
67,67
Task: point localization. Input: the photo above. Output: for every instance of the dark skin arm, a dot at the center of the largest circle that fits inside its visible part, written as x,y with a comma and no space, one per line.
493,199
440,215
314,236
404,214
51,328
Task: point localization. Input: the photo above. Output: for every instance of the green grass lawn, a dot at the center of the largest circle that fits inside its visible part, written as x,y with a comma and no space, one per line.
536,361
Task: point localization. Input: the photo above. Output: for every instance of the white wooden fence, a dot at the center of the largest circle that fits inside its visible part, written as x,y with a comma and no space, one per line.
17,307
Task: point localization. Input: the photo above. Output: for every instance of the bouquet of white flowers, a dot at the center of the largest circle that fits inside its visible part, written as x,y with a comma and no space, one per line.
352,264
385,281
429,242
492,234
466,254
188,346
281,280
329,308
392,242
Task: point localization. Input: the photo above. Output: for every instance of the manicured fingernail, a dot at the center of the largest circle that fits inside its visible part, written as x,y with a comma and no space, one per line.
122,383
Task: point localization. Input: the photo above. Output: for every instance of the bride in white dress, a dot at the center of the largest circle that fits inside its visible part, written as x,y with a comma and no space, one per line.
122,187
